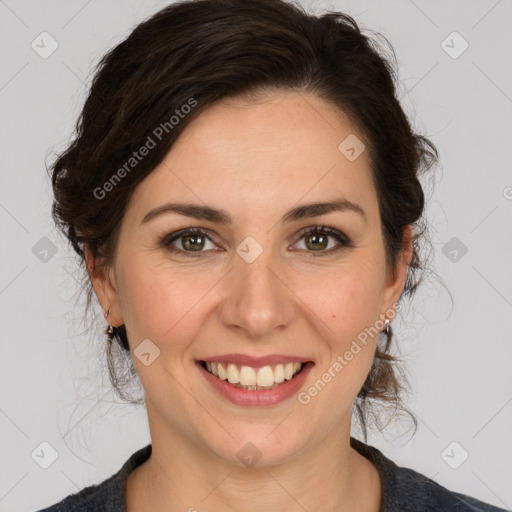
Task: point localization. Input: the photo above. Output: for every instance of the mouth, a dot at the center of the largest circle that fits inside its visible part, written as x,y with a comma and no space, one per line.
251,378
255,381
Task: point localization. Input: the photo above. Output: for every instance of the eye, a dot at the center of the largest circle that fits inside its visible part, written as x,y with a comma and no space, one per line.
317,239
192,240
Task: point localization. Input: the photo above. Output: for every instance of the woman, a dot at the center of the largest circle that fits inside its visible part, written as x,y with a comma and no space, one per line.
244,192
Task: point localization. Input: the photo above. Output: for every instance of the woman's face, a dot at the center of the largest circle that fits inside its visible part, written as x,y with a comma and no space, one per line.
256,285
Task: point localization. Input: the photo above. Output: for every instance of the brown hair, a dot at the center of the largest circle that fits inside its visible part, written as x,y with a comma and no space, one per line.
196,52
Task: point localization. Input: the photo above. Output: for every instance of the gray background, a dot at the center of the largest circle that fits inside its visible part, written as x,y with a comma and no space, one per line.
54,386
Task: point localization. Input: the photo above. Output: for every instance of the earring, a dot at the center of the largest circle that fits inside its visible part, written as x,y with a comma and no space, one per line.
110,329
386,323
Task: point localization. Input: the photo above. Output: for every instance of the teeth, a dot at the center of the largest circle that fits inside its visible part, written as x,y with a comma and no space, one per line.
279,374
251,378
288,371
248,376
265,376
222,373
233,374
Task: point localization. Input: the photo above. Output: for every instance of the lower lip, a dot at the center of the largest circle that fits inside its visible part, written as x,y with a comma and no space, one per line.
256,397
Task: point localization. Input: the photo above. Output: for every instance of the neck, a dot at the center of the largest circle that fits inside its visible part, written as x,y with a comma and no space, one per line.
183,475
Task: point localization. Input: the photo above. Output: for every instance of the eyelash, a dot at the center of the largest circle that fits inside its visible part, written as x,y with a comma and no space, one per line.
167,241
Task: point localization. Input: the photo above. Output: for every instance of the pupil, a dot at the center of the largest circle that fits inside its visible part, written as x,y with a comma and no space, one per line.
191,245
315,237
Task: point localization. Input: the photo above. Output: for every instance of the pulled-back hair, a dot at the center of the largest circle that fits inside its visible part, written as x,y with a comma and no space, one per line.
196,52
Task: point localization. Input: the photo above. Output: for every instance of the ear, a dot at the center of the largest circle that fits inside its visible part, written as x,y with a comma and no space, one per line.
395,281
104,286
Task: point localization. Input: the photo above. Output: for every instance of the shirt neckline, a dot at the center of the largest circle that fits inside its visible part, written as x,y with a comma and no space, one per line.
385,468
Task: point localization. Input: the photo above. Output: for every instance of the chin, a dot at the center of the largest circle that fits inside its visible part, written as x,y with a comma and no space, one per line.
258,450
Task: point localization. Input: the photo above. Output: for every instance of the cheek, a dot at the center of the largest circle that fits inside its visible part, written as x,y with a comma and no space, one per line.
349,305
159,302
347,299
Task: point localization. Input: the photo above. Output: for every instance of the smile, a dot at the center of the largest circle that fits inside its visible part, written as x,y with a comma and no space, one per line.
250,378
249,381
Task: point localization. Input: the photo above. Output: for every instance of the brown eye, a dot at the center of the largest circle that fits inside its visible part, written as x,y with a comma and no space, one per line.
194,242
187,241
317,240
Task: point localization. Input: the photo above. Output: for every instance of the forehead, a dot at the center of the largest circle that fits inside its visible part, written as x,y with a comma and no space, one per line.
265,153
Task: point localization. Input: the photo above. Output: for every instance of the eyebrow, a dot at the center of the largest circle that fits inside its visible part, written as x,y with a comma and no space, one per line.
220,216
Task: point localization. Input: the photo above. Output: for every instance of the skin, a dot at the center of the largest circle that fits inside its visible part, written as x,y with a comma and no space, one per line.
257,160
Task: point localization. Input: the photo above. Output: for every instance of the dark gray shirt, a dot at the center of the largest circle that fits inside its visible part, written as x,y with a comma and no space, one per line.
403,489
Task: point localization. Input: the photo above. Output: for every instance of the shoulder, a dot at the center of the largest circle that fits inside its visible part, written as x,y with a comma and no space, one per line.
108,495
404,489
95,497
415,490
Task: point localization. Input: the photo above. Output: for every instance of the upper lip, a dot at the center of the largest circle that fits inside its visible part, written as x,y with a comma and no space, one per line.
256,362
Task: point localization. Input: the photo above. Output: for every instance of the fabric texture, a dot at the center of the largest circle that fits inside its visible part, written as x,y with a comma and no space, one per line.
403,489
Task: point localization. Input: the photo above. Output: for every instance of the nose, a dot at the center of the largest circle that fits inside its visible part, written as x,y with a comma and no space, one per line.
257,300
